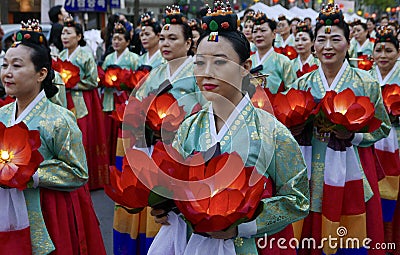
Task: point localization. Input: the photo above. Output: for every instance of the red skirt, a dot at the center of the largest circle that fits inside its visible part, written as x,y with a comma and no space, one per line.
375,229
93,138
71,222
112,126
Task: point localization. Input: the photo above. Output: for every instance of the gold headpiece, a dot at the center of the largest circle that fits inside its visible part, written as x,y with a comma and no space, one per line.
221,19
174,15
69,21
119,28
282,17
330,14
31,25
302,27
30,32
385,34
147,19
261,18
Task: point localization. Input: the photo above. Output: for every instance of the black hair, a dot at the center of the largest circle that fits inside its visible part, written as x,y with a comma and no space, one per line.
40,57
294,19
247,11
393,40
272,24
156,27
310,33
53,13
342,25
364,26
372,20
187,34
241,46
307,18
79,31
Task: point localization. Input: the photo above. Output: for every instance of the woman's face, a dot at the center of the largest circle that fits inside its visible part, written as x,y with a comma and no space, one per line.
293,26
172,42
330,45
385,55
263,36
303,43
360,34
370,26
119,43
70,38
248,29
18,74
148,38
217,70
283,27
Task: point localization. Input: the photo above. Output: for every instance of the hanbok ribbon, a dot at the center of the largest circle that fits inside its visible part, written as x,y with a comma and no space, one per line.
343,194
387,152
14,224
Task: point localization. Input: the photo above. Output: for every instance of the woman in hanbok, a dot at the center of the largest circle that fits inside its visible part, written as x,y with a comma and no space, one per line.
227,120
335,184
362,45
150,36
248,31
124,59
284,37
84,101
303,44
134,232
386,71
371,25
196,31
60,211
266,60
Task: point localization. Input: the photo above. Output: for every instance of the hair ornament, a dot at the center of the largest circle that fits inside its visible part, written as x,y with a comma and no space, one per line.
147,19
385,34
173,15
282,17
302,27
30,32
330,14
69,21
260,18
119,28
220,19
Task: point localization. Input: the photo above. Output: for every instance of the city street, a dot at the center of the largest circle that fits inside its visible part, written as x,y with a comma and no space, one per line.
104,207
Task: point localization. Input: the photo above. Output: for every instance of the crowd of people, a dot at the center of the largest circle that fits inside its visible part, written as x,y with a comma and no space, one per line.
333,168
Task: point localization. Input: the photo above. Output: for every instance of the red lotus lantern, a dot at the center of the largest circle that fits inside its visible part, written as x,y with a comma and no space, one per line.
306,69
68,71
19,155
100,76
262,99
119,78
365,63
391,98
126,189
118,113
293,108
288,51
355,113
222,207
164,112
137,76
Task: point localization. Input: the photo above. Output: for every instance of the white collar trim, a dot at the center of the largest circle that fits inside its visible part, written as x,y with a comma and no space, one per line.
27,110
337,78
